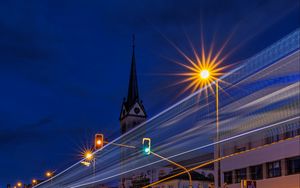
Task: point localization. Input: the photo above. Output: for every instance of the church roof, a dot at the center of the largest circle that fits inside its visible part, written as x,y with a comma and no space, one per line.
133,92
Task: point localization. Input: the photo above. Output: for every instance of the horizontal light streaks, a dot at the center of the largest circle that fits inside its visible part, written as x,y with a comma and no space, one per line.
182,135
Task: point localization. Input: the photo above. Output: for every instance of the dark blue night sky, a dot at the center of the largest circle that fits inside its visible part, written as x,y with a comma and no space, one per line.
64,66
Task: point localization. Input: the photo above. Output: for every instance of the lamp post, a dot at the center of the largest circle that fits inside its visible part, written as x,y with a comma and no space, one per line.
49,175
34,181
206,77
89,157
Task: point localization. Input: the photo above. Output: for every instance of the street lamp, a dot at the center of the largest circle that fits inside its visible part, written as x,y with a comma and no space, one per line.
89,158
201,75
34,181
204,74
48,174
88,155
19,184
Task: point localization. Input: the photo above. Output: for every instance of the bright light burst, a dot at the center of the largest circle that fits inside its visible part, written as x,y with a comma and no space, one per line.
203,70
49,174
204,74
87,154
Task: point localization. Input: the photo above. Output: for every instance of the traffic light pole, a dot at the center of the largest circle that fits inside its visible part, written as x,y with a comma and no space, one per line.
94,166
176,164
120,145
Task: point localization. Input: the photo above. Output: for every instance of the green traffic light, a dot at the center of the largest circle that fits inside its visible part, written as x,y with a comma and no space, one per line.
147,146
146,150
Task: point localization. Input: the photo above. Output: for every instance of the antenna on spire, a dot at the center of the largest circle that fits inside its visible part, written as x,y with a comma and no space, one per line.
133,41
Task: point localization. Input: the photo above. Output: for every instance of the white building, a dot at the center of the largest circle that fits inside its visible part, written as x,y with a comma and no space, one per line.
271,165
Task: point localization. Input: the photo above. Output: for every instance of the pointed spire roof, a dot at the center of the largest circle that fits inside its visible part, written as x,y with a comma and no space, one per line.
133,93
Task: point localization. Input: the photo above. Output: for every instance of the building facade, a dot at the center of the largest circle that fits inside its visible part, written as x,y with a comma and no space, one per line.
273,162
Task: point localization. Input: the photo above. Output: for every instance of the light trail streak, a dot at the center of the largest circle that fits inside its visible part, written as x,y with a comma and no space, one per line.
139,126
265,64
282,94
189,151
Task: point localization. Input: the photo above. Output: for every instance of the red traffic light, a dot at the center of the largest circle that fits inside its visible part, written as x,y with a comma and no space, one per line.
99,141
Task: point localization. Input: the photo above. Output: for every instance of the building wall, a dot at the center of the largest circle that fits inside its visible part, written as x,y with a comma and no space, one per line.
275,151
292,181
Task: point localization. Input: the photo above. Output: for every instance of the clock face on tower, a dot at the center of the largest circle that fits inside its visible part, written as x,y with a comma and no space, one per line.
137,110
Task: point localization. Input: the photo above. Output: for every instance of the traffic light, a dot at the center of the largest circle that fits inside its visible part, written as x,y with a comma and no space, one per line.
99,141
147,146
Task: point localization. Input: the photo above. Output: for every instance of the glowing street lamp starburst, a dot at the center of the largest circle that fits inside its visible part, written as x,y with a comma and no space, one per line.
201,74
203,70
49,174
87,154
204,74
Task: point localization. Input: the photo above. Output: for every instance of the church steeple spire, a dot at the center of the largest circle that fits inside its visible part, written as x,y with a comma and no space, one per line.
133,93
132,111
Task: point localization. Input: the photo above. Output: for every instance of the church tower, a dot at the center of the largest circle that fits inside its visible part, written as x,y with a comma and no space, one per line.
132,111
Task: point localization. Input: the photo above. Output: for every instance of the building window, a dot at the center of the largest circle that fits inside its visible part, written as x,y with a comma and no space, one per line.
256,172
228,177
293,165
239,149
240,174
210,176
273,138
274,169
292,133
